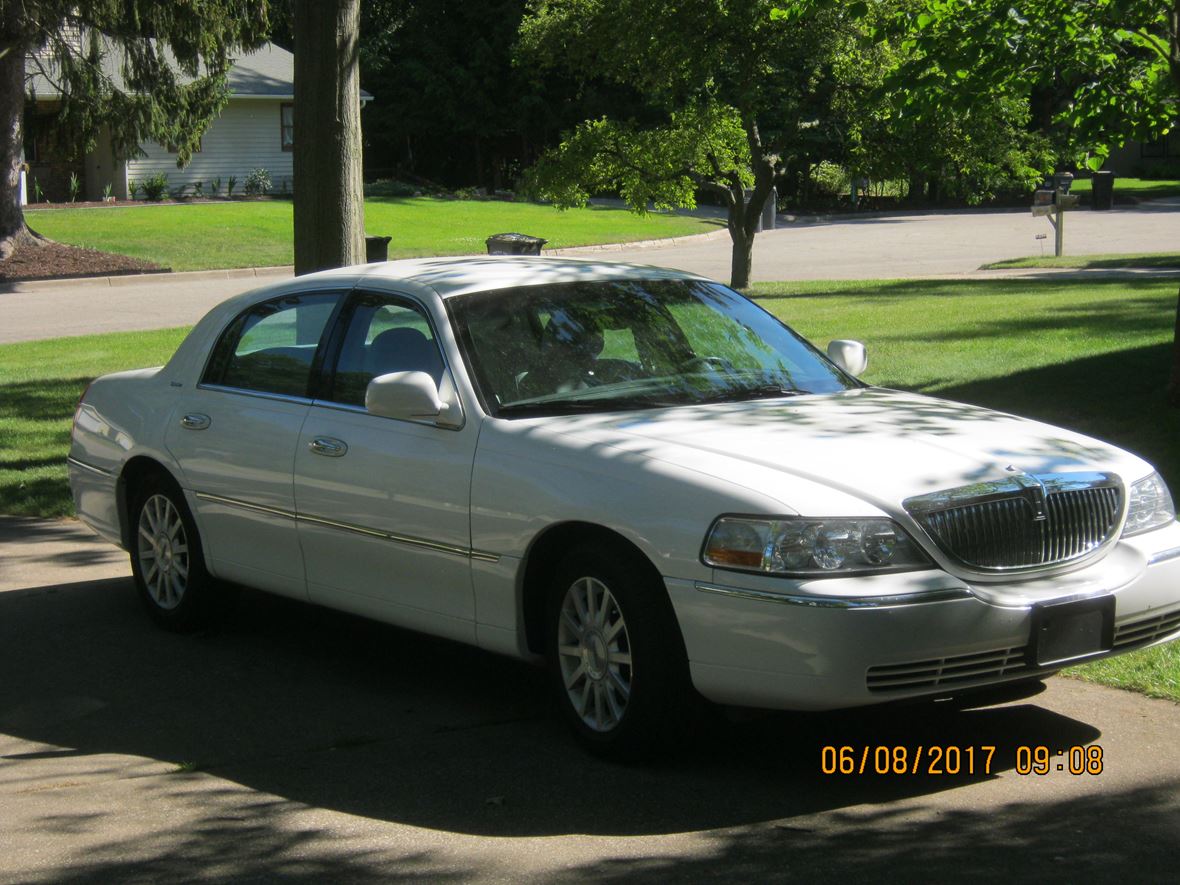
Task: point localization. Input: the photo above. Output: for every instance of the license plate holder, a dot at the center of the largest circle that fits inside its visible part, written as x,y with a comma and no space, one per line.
1071,631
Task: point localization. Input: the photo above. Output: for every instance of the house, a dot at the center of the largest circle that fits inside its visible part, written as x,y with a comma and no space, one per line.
254,129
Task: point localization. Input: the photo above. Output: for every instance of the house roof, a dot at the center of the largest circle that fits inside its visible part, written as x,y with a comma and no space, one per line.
265,72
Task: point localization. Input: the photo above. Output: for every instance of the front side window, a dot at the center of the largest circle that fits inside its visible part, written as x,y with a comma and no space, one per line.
383,335
270,347
623,344
287,127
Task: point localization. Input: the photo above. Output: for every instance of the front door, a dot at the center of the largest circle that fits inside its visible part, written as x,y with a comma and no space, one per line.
384,504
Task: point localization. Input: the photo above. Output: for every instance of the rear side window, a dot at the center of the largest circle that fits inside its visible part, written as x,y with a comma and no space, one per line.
270,348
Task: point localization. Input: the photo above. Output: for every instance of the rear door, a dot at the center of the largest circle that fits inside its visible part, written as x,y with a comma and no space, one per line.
234,437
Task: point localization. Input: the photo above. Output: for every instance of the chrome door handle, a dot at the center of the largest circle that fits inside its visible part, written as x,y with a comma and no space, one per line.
195,421
328,447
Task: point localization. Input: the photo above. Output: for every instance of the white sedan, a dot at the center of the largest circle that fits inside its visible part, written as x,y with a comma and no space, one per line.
634,474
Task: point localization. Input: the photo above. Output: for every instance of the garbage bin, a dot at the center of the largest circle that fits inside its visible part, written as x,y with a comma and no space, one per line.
1102,193
376,248
514,244
769,209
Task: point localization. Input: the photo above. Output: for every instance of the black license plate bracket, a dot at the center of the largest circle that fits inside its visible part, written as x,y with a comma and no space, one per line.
1063,632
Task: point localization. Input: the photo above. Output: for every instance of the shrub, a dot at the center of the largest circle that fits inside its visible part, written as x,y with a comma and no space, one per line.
215,187
390,187
830,179
155,186
257,182
198,188
133,189
75,186
230,185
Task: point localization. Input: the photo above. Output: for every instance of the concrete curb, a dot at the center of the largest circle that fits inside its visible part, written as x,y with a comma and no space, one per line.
147,279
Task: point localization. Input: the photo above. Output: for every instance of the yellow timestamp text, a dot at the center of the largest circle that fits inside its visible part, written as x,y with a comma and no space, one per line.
949,759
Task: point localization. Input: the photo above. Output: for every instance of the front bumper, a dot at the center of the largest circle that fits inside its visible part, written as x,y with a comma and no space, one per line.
755,640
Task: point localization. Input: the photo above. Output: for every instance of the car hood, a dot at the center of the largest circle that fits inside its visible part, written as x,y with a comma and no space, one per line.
877,445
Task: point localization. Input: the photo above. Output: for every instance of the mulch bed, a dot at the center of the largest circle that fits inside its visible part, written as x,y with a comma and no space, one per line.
59,261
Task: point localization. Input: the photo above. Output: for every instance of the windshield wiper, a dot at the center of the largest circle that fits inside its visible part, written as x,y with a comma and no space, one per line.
582,404
760,391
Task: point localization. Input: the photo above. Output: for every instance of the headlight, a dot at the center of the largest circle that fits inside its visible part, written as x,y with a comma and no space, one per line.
1150,507
811,547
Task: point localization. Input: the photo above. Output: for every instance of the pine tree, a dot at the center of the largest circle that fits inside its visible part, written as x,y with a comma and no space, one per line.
164,78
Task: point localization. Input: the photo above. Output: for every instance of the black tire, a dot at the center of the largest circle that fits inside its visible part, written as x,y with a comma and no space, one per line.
168,562
659,697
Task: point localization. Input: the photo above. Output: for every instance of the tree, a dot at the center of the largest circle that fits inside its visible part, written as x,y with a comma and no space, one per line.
1105,70
144,68
734,86
329,192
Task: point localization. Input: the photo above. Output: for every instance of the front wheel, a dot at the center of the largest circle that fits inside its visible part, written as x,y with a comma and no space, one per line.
167,562
616,657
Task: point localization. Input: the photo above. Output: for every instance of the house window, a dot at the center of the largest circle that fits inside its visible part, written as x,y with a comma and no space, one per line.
287,126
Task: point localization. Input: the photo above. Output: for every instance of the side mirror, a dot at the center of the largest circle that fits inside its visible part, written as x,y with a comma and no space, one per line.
849,355
409,396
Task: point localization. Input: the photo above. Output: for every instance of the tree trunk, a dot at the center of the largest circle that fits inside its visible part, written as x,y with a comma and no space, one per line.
12,111
742,259
329,194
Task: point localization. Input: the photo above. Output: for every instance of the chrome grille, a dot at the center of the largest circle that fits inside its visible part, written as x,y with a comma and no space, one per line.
1143,631
1022,522
956,670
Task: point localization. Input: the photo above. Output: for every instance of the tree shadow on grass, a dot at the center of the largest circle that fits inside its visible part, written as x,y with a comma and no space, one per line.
1118,397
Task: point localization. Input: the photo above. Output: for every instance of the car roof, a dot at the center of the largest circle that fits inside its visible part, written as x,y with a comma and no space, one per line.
459,276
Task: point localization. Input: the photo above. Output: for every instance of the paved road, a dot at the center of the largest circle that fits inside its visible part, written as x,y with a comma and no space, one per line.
948,243
297,745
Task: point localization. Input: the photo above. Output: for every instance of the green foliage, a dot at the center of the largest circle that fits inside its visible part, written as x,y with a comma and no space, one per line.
257,182
389,187
230,185
830,178
38,194
155,186
108,191
1094,71
145,69
75,186
662,165
215,187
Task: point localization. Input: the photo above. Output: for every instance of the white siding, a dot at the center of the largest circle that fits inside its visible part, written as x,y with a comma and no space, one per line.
244,137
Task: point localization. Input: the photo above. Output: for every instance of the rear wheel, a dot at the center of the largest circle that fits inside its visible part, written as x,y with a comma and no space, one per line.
167,561
616,657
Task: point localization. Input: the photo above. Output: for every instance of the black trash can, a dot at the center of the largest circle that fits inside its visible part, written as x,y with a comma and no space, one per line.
1102,190
514,244
376,248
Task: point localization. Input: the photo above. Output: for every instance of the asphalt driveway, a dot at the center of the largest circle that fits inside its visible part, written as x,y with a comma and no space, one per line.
295,744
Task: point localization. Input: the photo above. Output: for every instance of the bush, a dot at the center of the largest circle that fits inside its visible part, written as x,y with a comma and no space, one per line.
830,179
155,186
391,187
257,182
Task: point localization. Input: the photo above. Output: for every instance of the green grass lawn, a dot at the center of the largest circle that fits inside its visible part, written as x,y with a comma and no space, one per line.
1090,355
1093,262
203,236
1142,188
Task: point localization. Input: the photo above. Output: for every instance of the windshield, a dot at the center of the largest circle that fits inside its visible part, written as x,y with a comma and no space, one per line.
631,344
